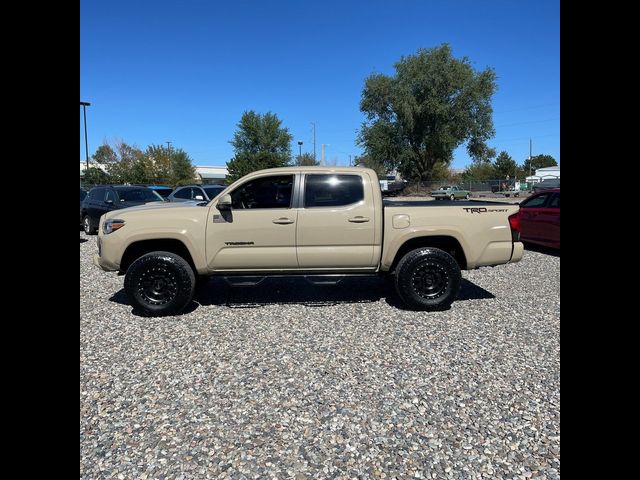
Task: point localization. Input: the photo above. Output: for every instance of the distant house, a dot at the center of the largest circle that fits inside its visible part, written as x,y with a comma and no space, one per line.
544,173
83,166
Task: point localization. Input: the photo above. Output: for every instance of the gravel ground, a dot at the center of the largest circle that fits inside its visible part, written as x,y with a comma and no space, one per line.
289,380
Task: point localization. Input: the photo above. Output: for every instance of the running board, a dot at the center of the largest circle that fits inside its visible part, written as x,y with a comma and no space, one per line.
318,279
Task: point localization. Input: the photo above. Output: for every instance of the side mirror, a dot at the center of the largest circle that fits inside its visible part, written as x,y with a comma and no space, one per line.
109,202
224,203
199,197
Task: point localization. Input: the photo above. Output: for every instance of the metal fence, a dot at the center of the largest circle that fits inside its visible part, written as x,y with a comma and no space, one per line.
493,186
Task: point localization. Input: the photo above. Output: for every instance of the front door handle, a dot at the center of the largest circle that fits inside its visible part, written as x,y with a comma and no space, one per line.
359,219
283,221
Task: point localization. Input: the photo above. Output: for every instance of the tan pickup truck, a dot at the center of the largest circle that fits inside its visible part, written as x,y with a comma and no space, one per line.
319,222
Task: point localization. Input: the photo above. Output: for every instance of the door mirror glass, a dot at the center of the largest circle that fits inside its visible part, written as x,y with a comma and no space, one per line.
199,197
224,203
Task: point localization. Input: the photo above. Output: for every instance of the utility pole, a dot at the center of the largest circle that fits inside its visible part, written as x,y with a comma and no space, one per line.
169,146
349,160
322,160
86,142
299,151
529,156
314,141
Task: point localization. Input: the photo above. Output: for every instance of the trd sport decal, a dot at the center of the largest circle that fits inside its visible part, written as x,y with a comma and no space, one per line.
239,243
483,209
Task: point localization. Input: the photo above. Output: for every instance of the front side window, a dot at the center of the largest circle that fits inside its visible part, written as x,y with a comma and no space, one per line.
536,202
332,190
110,196
264,192
97,194
138,195
183,193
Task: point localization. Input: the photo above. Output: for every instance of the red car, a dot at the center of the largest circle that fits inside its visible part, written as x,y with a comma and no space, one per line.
540,218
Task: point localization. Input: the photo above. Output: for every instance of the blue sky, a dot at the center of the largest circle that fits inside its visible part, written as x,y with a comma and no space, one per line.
185,71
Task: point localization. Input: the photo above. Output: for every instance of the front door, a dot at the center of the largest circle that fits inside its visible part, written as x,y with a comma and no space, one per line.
530,219
259,232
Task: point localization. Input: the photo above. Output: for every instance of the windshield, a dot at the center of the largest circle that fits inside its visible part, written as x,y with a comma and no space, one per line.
139,195
83,194
213,191
163,192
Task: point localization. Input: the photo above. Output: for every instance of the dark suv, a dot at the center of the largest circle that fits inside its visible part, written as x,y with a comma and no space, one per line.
188,193
103,199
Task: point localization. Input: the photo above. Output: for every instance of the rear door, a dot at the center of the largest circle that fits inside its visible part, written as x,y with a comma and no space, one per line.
95,202
336,224
549,220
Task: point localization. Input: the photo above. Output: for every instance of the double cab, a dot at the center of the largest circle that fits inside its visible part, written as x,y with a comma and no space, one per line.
311,221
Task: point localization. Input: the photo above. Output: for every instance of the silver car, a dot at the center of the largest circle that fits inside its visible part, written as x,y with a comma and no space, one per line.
195,192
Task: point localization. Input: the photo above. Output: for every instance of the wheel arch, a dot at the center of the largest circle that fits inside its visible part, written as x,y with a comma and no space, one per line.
141,247
446,243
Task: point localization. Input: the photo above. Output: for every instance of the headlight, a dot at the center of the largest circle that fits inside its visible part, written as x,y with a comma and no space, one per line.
112,225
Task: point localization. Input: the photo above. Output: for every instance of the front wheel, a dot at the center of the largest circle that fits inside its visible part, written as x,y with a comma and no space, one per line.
467,196
160,283
88,225
452,197
428,279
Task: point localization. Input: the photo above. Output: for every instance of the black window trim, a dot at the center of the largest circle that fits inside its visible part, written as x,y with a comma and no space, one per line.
303,187
546,202
294,191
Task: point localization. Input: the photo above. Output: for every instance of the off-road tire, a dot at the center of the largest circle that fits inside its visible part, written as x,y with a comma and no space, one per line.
160,283
428,279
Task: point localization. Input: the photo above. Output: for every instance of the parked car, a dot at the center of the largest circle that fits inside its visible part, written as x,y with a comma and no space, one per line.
450,192
103,199
539,217
546,184
195,192
83,194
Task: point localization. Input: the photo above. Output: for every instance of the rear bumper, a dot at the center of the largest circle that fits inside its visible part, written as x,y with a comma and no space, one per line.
518,251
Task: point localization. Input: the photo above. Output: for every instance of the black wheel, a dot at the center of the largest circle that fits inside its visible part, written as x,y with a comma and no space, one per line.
160,283
428,279
452,197
467,196
89,227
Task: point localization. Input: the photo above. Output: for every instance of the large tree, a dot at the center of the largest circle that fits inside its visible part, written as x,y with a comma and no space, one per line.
259,142
538,161
369,162
306,160
419,116
506,166
182,170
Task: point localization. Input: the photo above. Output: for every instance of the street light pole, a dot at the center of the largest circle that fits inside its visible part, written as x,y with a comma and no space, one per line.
299,151
86,142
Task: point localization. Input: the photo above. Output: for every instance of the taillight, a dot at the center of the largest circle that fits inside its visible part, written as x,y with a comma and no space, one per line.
514,223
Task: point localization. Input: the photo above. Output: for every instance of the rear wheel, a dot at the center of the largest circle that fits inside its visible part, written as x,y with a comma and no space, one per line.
428,279
160,283
467,196
452,197
89,227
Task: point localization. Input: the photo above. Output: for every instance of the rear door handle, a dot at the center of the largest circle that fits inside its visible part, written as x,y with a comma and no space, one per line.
283,221
359,219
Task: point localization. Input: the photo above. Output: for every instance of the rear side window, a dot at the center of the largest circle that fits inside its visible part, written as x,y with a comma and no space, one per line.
555,201
332,190
96,194
111,196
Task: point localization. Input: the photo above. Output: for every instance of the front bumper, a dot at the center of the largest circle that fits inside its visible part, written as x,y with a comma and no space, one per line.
98,261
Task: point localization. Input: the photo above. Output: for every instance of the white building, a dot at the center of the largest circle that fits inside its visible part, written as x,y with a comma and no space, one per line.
211,175
544,174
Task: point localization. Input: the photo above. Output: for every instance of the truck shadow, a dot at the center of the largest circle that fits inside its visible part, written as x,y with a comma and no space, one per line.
285,291
532,247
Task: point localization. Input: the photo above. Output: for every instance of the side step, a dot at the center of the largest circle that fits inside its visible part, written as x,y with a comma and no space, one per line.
243,281
319,279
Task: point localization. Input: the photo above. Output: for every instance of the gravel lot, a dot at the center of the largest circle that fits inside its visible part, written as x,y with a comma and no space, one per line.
289,380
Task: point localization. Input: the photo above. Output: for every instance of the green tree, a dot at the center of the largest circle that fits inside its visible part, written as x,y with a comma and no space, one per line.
95,176
505,166
259,142
441,172
418,117
131,166
479,172
306,160
160,169
538,161
105,155
369,162
182,170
